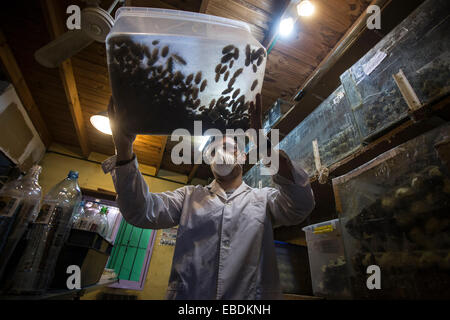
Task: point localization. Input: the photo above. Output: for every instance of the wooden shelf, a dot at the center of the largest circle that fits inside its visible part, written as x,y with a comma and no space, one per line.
61,294
423,120
300,297
420,121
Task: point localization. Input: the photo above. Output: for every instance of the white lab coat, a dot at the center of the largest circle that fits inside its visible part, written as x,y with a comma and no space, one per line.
225,247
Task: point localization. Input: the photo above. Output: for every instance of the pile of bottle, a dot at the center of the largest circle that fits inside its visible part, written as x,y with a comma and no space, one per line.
40,228
92,217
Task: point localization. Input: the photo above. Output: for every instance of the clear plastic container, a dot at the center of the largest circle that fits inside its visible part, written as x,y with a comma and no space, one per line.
333,126
168,68
329,273
255,179
420,47
101,222
394,213
78,217
427,47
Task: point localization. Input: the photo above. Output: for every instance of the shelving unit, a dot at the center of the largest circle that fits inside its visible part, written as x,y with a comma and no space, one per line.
420,121
62,294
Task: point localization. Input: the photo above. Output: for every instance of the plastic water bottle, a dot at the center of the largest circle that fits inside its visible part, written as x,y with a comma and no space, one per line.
47,236
30,194
102,222
91,216
10,203
79,217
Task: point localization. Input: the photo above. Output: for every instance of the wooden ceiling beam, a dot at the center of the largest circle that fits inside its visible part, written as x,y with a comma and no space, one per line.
12,68
192,173
285,8
56,27
346,41
340,48
204,6
161,154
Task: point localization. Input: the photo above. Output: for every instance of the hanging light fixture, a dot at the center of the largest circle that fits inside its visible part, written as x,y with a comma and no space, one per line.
100,122
286,26
305,8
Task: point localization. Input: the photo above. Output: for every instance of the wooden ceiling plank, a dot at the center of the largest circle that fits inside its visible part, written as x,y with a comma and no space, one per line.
271,35
161,154
192,173
204,6
51,13
23,91
344,43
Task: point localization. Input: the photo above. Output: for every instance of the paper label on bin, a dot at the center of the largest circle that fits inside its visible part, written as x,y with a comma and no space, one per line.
374,62
338,97
323,229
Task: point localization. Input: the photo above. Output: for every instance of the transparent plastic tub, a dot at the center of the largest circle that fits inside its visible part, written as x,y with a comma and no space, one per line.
169,68
255,179
394,212
327,262
333,126
420,47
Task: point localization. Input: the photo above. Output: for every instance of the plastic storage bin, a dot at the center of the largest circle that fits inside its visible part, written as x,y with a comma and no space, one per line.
274,114
394,212
293,267
86,249
420,47
333,126
255,179
168,68
327,261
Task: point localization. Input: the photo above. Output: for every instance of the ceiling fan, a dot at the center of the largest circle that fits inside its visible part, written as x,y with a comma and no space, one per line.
95,26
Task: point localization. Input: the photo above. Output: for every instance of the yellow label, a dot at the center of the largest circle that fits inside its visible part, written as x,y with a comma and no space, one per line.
323,229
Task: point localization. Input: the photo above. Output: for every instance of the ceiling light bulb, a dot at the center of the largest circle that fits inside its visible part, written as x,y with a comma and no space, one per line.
286,26
305,8
101,122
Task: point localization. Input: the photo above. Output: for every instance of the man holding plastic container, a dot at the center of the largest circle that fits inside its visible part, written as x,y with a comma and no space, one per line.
225,247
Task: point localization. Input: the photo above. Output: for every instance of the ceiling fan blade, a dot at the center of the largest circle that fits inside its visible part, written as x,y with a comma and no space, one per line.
62,48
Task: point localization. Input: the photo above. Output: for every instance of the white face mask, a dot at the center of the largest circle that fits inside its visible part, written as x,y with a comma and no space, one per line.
223,163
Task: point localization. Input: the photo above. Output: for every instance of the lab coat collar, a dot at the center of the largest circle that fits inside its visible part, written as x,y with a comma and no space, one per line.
218,190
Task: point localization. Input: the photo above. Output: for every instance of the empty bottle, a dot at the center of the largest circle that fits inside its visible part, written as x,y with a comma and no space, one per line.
91,216
102,222
47,236
79,217
10,204
30,194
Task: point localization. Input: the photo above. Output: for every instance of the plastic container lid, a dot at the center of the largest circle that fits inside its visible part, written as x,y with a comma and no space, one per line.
178,15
